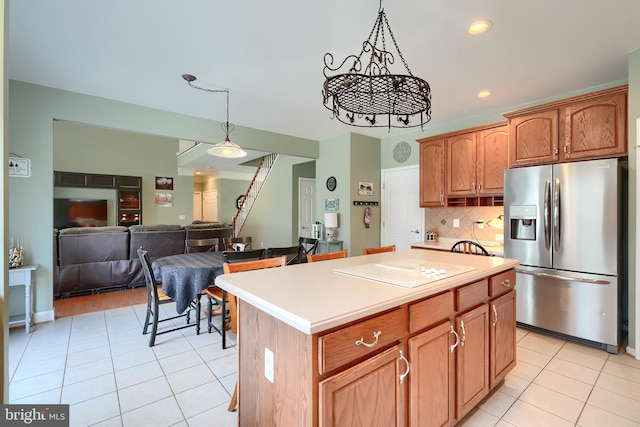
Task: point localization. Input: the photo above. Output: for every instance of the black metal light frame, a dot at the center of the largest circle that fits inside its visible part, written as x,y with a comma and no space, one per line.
374,97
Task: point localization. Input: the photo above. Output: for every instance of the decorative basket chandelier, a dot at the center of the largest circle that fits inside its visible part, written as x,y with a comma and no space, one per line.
225,148
374,97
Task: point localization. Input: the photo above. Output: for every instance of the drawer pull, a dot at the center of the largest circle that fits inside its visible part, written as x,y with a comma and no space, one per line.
506,283
401,377
366,344
464,333
454,345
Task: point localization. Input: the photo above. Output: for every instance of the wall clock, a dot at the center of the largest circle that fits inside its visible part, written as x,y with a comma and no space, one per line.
401,152
331,183
239,201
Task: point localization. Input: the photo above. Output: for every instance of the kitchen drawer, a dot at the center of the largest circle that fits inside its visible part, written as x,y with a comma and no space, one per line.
340,347
472,295
430,311
502,283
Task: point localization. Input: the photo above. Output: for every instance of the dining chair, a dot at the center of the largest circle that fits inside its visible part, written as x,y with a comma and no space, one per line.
238,267
377,250
201,245
215,295
309,246
155,298
469,247
230,241
327,256
293,253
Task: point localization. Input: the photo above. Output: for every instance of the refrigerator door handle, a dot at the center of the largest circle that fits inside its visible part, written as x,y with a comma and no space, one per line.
556,216
547,215
564,278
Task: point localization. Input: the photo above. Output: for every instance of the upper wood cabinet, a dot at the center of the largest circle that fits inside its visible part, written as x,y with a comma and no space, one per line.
595,128
461,165
493,159
474,161
432,182
585,127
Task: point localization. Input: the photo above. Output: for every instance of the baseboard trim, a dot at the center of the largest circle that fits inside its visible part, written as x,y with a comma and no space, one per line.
44,316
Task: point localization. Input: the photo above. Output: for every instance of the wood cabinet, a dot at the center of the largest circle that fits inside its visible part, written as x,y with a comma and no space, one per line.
129,200
464,168
472,359
476,162
128,191
368,394
502,337
492,160
589,126
432,183
432,380
461,165
423,363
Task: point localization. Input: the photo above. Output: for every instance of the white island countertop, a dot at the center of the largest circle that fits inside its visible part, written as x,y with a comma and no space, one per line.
315,297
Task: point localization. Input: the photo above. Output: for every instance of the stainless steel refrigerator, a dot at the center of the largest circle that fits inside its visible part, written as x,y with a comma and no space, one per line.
563,222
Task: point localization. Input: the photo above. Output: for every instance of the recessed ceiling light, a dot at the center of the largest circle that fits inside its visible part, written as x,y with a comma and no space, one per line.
479,27
484,93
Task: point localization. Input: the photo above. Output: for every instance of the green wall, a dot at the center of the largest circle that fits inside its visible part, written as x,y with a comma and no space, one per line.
81,148
364,167
33,110
335,160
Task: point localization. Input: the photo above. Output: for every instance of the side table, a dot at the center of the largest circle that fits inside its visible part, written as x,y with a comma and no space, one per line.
325,246
23,276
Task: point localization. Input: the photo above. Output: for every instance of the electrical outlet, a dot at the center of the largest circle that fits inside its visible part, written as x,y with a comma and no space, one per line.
182,217
456,223
268,364
480,224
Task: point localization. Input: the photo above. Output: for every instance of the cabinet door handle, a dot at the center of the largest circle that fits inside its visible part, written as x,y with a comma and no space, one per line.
454,345
506,283
495,315
464,333
401,377
555,151
366,344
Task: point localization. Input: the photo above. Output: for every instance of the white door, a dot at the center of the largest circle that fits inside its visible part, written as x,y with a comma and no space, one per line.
306,206
402,216
210,205
197,205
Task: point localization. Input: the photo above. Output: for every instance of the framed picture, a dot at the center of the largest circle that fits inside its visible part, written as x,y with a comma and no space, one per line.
164,200
365,188
164,183
331,204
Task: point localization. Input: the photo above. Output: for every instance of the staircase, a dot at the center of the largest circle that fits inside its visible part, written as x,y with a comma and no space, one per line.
250,197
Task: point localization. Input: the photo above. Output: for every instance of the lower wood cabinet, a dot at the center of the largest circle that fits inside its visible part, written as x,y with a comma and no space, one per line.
424,363
432,378
472,359
368,394
503,337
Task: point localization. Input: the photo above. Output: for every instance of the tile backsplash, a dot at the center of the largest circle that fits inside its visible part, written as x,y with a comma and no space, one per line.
441,220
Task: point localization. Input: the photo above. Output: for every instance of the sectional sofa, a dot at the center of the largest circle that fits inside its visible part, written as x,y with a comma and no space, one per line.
94,259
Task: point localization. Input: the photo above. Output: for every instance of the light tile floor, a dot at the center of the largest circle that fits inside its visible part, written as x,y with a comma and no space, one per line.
100,364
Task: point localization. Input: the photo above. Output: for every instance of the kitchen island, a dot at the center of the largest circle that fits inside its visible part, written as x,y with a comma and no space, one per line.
361,341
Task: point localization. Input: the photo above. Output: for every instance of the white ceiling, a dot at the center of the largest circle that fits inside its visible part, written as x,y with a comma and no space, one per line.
269,54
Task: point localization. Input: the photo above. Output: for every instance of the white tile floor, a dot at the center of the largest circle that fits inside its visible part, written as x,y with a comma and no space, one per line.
101,365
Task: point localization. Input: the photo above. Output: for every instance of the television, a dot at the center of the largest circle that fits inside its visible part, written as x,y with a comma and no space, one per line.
79,213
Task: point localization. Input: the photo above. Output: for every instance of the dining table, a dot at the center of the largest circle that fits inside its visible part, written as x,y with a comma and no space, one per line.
185,276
